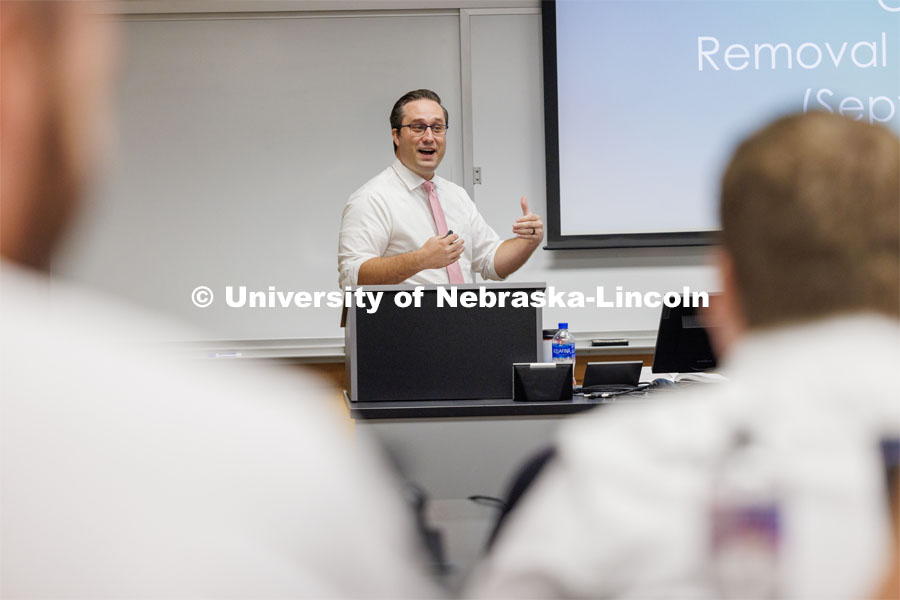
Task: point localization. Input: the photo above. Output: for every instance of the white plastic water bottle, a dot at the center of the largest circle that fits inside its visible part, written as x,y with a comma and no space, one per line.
564,347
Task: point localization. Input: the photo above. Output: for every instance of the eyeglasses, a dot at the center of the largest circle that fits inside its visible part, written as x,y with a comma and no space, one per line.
438,129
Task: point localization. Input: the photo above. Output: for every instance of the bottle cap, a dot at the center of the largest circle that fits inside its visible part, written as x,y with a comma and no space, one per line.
563,325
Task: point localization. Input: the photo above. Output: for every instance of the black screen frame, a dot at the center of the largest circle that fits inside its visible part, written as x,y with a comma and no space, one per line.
555,239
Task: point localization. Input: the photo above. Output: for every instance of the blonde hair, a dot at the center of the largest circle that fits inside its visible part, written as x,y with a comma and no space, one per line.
810,211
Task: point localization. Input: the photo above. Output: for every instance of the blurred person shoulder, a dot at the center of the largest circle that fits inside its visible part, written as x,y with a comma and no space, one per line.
633,479
137,473
789,377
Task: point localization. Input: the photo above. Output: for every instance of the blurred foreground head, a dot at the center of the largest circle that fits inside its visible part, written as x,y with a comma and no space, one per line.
56,62
810,212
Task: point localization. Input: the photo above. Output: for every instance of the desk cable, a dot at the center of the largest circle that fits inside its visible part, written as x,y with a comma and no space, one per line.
608,391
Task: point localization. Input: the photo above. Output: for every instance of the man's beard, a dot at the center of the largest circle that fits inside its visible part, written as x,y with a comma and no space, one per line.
57,189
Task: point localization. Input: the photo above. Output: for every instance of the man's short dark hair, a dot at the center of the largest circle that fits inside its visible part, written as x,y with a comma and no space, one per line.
397,111
810,211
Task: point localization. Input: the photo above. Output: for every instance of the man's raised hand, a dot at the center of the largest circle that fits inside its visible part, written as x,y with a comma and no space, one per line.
529,226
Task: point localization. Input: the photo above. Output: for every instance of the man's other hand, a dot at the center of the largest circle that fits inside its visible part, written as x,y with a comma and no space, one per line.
441,251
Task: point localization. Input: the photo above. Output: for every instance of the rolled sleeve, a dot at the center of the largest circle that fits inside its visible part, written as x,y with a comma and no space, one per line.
365,234
485,244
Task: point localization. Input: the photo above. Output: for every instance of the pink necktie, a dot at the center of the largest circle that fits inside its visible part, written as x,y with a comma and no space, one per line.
440,222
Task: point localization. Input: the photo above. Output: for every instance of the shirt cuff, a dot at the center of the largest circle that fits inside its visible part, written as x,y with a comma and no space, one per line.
488,271
349,271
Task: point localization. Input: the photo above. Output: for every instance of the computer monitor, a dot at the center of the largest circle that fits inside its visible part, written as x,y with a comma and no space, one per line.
682,342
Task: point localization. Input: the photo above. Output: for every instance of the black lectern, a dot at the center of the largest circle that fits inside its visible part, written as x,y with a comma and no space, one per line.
459,344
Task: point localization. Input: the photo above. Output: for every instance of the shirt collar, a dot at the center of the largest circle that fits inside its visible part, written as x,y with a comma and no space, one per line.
409,179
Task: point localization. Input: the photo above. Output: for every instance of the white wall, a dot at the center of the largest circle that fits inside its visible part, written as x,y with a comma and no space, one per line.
242,135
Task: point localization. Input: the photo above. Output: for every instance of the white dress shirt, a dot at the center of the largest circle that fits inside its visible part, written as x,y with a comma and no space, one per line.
390,215
127,474
624,509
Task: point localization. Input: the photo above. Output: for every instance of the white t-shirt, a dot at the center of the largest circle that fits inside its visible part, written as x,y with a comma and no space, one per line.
390,215
624,510
127,475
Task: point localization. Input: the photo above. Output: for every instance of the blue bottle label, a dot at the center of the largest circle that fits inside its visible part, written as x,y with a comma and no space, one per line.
563,351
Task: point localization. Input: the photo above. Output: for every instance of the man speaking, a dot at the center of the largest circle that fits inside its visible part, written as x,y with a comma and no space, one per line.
407,225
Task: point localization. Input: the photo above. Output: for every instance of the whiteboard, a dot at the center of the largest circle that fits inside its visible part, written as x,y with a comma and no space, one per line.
240,140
